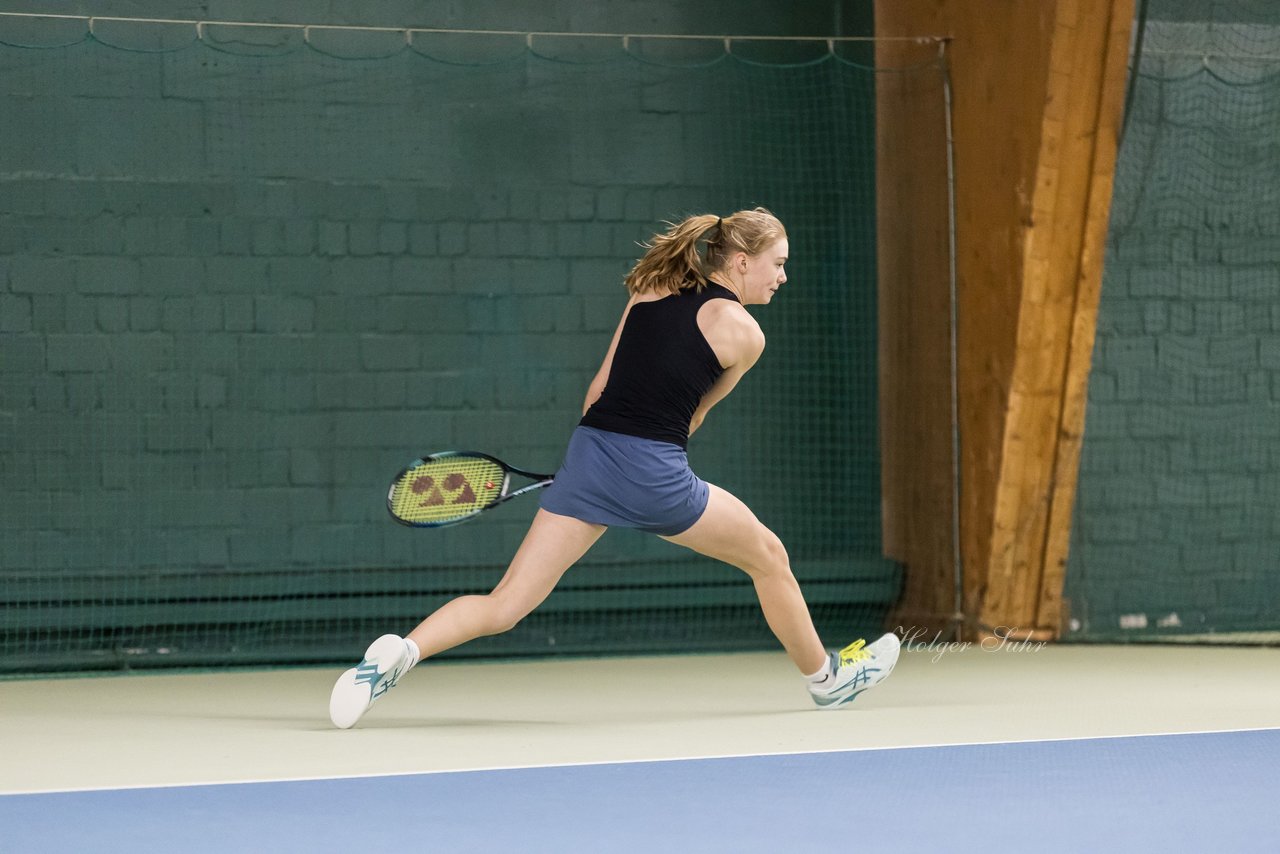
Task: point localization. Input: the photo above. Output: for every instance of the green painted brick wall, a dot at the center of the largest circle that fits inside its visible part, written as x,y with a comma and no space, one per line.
237,293
1177,526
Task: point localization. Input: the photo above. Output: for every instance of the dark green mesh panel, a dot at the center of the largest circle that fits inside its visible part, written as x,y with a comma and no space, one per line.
247,280
1177,530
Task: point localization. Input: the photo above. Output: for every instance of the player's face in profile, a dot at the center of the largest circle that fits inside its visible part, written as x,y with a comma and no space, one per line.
766,273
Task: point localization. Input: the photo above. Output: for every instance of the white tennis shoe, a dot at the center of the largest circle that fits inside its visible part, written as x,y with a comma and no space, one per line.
856,668
385,661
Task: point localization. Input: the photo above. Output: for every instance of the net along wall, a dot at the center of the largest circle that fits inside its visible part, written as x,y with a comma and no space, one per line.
247,277
1177,529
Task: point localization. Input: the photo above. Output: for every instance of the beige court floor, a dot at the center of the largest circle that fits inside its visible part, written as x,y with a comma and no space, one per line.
272,725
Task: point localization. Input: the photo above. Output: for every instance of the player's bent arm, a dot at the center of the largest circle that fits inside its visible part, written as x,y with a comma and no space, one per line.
596,388
741,345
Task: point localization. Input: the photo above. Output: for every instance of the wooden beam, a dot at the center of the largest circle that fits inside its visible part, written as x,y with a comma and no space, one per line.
913,258
1058,298
1051,609
1038,91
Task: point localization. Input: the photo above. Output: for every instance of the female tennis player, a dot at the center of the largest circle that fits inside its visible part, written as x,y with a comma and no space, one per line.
684,342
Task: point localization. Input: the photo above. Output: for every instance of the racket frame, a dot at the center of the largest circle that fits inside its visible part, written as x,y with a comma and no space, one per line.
540,480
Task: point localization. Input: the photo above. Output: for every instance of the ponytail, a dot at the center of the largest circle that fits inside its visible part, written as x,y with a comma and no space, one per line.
672,261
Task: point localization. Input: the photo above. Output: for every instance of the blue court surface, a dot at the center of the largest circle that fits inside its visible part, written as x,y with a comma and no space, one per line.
1198,792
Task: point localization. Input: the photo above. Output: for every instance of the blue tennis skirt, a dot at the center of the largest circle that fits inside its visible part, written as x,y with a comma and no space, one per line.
619,480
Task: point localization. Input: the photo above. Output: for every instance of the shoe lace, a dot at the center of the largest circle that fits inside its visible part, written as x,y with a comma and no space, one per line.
854,652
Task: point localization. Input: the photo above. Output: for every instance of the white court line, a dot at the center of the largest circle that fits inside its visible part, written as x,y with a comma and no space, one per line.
709,758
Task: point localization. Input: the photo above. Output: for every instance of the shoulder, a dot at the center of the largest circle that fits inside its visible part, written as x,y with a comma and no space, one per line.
734,320
732,332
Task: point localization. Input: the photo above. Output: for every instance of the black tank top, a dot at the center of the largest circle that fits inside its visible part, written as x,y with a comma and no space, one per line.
661,370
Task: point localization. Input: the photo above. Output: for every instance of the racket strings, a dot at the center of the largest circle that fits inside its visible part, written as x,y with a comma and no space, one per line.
448,488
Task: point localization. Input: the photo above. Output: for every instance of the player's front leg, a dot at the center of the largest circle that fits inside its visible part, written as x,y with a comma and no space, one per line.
730,532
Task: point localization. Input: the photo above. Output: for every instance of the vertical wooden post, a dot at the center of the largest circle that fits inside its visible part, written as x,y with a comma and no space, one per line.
1050,609
914,334
1059,302
1038,96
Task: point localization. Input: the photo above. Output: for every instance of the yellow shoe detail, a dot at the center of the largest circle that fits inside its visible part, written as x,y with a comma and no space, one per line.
854,652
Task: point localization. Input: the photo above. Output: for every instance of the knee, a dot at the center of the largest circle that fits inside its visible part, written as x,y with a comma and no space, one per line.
775,552
772,559
505,612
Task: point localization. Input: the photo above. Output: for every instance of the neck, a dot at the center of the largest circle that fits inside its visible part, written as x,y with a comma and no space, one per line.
720,280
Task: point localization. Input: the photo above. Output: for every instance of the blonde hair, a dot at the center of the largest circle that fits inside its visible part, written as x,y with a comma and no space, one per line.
674,262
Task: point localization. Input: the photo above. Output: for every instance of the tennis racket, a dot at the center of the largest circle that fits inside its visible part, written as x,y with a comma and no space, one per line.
452,486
